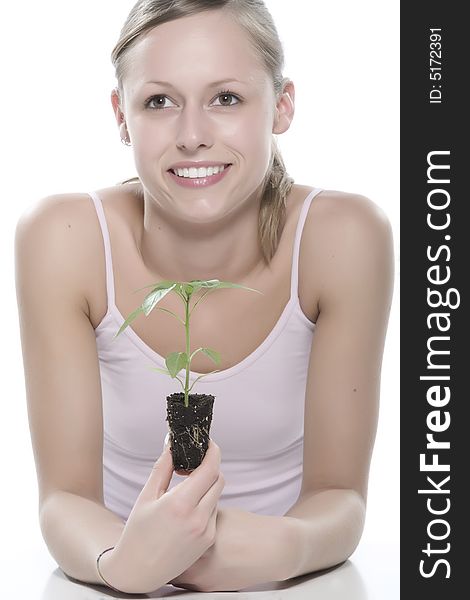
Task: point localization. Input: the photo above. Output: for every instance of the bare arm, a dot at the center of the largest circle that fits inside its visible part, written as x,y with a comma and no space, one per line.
62,386
76,530
350,250
65,415
354,243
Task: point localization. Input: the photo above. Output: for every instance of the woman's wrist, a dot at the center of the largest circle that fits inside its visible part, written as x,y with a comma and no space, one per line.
109,572
104,570
119,573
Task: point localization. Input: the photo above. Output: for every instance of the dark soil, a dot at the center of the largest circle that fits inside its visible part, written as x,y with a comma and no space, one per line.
189,428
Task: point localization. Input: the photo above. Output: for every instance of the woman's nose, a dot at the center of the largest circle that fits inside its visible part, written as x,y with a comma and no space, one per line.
193,129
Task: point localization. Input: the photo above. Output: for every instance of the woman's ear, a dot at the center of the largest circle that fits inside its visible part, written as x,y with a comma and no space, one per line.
120,116
285,108
116,103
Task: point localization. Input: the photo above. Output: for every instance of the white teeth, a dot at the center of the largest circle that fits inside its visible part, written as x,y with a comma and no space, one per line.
194,173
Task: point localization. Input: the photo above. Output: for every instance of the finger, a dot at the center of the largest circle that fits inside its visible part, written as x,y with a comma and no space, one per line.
209,501
212,523
195,486
166,441
159,477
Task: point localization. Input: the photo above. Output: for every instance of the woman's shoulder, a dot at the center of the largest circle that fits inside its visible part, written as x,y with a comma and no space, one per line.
62,215
345,228
69,218
65,228
52,207
334,213
332,205
62,207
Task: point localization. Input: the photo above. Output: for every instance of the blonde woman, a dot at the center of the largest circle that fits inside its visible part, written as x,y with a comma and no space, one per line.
200,93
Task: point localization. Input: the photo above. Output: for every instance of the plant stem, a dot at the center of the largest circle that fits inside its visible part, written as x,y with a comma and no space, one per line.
186,325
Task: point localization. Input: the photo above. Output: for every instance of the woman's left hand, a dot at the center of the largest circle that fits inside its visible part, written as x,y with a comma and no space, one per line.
249,549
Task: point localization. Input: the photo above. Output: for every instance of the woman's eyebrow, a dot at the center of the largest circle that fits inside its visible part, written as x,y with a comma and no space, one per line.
213,84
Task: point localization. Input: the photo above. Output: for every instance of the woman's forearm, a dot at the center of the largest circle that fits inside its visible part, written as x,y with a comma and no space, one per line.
76,530
328,525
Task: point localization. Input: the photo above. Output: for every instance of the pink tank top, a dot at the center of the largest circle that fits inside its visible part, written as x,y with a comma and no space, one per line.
261,456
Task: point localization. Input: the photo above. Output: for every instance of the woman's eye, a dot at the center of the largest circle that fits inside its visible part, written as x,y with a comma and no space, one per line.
224,96
157,99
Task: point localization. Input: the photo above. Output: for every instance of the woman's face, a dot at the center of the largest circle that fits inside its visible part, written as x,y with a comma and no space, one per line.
179,108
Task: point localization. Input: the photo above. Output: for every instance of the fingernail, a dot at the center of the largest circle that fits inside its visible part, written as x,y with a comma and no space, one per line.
166,441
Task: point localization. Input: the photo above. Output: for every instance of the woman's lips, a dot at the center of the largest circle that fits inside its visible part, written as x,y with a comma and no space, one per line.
199,181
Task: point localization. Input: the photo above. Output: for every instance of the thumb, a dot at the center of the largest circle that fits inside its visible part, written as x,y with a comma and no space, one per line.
159,477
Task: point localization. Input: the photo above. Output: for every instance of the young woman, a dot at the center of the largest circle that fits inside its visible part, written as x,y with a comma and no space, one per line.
200,93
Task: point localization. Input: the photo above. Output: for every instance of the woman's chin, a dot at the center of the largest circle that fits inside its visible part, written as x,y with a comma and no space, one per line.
202,211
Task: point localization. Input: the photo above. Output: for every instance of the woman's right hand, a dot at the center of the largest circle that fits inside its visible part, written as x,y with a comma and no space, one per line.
166,532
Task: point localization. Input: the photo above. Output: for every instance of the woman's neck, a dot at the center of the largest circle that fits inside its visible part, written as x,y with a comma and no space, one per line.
227,249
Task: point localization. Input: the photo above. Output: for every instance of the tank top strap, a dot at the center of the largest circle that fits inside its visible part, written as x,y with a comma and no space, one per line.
294,291
107,247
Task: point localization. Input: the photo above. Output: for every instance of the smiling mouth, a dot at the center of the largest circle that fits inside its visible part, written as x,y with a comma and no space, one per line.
193,172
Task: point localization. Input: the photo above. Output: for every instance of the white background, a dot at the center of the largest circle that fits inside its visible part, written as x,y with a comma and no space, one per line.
59,135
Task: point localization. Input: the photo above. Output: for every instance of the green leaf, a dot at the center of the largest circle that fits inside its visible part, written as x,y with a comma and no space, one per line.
164,371
199,283
154,297
228,284
212,354
175,362
185,288
129,320
159,285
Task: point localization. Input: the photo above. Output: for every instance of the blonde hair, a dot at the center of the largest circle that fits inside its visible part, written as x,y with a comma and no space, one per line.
255,19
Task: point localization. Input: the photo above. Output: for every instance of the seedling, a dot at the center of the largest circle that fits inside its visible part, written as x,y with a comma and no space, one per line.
195,431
